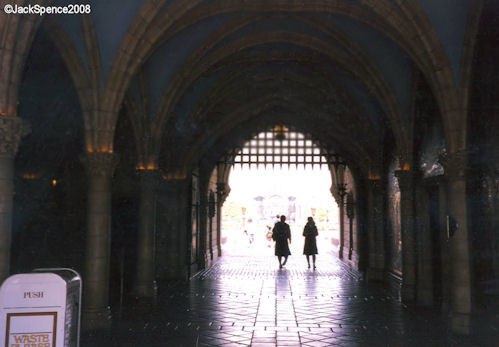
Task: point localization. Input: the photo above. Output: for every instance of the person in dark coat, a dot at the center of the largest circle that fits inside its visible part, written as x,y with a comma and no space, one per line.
280,234
310,233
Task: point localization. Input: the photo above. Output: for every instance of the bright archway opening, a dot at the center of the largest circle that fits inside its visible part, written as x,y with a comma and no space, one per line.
261,191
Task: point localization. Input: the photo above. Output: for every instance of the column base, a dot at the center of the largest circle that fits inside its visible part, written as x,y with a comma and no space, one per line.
460,323
96,319
340,253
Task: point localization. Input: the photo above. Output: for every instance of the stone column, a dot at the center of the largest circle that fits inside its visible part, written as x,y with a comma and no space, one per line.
221,195
202,259
459,244
173,212
342,192
12,129
100,168
425,245
350,208
444,244
437,186
145,284
493,202
371,233
406,181
211,213
376,231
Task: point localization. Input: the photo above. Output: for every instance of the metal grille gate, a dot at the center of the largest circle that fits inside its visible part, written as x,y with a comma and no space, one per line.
280,146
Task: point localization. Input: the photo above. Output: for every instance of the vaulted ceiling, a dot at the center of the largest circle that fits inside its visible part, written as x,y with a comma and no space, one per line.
207,74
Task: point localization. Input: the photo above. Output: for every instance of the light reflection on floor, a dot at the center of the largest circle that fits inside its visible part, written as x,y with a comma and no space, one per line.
246,300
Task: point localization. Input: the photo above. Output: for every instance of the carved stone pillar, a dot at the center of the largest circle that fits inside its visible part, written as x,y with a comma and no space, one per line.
202,249
211,213
424,244
100,168
12,129
350,212
342,192
444,242
406,181
437,192
221,196
371,233
493,202
376,231
460,297
172,212
145,284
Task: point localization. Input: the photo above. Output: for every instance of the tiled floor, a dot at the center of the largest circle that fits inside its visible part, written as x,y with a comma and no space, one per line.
243,301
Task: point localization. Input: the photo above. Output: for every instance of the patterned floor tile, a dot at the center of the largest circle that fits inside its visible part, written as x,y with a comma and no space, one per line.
244,301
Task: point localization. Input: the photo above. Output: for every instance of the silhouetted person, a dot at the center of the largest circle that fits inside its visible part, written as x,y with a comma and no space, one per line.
280,234
310,247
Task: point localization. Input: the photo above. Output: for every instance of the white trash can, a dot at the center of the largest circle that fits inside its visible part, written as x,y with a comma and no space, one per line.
41,309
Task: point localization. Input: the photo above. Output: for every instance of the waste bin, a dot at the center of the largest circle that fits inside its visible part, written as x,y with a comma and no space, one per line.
41,309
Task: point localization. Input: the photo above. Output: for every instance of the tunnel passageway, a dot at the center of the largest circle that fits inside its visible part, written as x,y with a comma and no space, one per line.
123,126
246,300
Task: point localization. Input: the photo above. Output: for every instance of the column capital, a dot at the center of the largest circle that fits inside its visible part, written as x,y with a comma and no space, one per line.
221,187
223,191
12,130
100,164
342,189
455,164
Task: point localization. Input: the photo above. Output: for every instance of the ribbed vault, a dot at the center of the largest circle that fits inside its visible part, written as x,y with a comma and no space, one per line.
106,56
223,57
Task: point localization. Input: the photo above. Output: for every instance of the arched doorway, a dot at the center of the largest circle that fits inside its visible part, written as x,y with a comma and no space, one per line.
281,171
